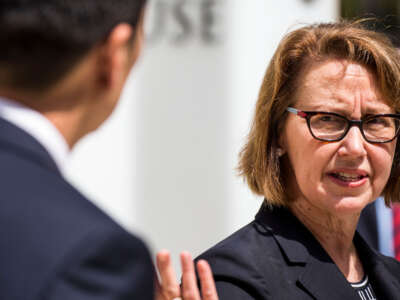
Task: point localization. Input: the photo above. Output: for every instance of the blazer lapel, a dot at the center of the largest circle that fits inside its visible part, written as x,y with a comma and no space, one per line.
322,279
319,277
384,281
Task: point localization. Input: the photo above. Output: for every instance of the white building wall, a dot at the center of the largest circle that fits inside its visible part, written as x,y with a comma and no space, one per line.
163,165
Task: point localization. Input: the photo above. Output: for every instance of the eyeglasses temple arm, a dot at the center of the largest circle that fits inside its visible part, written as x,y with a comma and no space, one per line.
296,112
292,110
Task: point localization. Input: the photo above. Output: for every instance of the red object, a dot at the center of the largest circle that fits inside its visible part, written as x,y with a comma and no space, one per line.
396,230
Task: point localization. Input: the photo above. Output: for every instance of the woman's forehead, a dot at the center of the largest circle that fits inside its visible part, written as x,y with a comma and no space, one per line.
339,84
336,72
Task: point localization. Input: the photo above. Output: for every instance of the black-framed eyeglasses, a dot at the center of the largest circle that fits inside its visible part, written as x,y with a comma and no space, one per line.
332,127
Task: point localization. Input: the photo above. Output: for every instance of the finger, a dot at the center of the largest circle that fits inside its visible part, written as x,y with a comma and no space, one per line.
158,290
190,290
208,290
169,285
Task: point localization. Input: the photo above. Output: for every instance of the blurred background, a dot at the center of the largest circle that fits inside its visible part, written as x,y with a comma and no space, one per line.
164,164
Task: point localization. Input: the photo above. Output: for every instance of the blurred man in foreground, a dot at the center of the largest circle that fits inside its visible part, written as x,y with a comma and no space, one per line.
63,65
62,68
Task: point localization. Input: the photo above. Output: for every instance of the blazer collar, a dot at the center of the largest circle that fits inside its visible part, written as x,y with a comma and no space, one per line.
320,277
15,140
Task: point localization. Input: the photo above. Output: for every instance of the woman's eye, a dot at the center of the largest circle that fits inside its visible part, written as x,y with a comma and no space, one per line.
377,121
326,118
329,119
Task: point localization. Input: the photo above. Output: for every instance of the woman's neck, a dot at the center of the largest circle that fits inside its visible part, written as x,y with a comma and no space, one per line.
335,234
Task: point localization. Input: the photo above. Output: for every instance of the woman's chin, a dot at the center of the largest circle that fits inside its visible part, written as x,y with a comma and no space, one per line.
351,205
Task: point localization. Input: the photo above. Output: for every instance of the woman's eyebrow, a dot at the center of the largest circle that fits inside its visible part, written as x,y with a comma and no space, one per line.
340,107
326,106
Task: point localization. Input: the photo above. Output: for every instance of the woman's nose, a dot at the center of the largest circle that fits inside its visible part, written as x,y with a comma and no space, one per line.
353,144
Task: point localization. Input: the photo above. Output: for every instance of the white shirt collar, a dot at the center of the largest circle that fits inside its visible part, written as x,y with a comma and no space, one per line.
37,126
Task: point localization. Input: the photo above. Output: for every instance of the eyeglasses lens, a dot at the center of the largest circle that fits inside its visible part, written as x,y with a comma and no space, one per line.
380,129
331,127
328,127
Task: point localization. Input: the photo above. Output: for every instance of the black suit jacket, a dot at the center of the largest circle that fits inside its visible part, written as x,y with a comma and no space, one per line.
54,243
276,257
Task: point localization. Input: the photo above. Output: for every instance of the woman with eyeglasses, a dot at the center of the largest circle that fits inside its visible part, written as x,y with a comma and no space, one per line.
323,145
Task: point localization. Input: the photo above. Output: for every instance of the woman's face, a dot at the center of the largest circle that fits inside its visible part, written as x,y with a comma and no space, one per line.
343,176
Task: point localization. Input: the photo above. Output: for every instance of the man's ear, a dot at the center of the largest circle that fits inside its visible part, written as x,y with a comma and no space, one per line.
117,54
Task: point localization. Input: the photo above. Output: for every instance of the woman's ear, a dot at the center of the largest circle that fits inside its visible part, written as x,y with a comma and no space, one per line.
281,149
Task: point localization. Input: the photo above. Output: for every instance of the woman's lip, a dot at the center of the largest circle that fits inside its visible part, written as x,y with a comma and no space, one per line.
350,184
358,172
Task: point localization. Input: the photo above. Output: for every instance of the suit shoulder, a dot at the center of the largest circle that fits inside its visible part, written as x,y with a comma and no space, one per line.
242,253
243,243
48,206
248,260
111,262
50,226
110,246
47,196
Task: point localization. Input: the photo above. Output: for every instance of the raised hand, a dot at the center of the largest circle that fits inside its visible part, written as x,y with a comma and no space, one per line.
169,289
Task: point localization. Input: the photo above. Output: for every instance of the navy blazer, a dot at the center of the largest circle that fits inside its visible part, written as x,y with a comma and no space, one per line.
54,243
276,257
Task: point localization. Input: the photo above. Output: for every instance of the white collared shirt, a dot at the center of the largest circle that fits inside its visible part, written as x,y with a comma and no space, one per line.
37,126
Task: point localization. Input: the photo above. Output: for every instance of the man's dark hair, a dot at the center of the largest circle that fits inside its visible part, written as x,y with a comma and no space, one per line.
42,39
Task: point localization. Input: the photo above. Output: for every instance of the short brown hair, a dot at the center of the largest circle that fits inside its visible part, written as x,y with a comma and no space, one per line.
259,162
41,41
